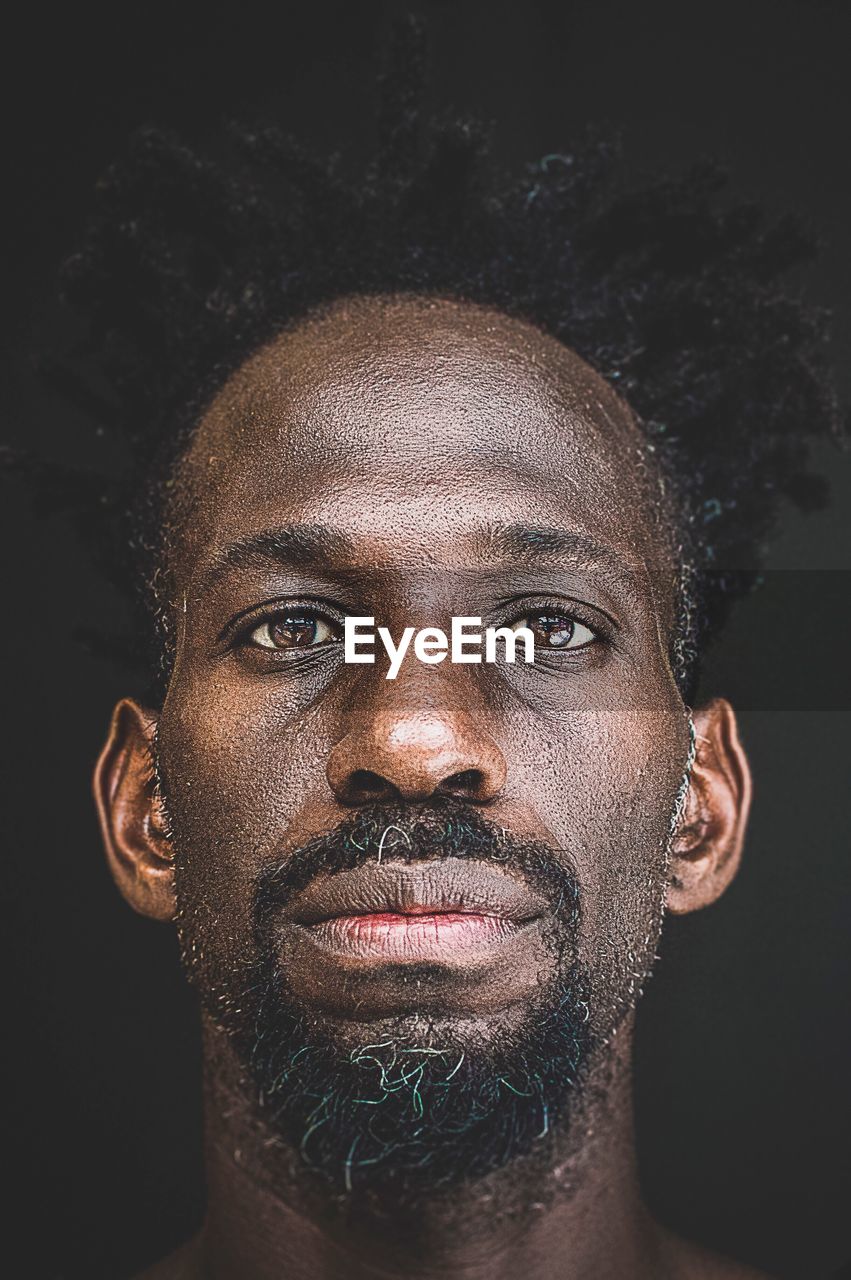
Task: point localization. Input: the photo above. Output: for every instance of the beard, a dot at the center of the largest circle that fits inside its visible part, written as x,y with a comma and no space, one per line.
421,1102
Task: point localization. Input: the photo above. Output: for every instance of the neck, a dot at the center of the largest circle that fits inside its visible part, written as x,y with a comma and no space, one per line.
572,1208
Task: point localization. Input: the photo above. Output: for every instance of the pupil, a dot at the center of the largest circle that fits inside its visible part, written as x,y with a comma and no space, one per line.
557,630
292,632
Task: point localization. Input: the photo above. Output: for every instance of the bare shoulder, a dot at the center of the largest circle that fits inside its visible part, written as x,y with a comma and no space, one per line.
183,1264
689,1261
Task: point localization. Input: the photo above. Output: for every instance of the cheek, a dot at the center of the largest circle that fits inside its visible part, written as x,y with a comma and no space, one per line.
237,773
240,752
606,785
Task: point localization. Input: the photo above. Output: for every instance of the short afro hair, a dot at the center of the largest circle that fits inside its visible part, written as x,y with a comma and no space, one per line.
668,290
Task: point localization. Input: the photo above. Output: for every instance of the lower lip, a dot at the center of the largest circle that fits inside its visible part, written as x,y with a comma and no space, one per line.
413,938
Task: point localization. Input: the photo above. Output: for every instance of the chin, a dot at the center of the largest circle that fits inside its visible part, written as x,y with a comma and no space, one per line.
420,1100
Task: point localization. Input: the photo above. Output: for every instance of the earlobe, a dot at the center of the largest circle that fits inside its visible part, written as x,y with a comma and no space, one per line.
130,811
707,847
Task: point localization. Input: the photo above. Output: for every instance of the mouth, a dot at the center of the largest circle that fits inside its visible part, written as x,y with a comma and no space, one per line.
417,937
450,934
428,912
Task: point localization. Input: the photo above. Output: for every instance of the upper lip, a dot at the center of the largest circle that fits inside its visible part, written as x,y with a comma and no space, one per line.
457,885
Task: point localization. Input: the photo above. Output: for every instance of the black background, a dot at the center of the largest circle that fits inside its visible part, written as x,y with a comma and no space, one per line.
744,1060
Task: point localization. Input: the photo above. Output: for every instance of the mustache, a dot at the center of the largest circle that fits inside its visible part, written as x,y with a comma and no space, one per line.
406,833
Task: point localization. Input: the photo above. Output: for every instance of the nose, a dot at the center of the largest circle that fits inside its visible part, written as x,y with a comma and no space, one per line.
416,755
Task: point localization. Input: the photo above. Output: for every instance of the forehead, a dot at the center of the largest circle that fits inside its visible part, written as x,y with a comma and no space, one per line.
406,421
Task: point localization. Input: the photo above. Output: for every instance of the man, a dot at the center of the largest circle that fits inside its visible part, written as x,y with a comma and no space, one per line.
419,911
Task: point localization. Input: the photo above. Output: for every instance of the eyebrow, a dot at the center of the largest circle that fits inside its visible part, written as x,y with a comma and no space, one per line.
312,546
294,546
532,543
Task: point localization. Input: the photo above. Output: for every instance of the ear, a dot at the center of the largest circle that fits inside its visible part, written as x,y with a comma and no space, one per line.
132,819
707,847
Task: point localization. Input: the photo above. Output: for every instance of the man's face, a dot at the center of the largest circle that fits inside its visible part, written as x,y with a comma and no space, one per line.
468,861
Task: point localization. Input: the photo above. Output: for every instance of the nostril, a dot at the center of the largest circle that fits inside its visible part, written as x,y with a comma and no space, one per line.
364,785
467,783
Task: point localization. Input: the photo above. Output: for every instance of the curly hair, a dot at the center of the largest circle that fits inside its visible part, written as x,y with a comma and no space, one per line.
667,289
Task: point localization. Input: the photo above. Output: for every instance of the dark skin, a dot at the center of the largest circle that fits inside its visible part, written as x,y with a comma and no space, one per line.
407,448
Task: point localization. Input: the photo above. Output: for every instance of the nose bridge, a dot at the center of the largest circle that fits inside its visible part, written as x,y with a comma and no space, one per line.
426,733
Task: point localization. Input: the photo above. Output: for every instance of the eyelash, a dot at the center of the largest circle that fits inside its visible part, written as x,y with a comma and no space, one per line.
241,638
601,625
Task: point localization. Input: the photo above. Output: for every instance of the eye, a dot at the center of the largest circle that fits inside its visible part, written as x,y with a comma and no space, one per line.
553,630
294,629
